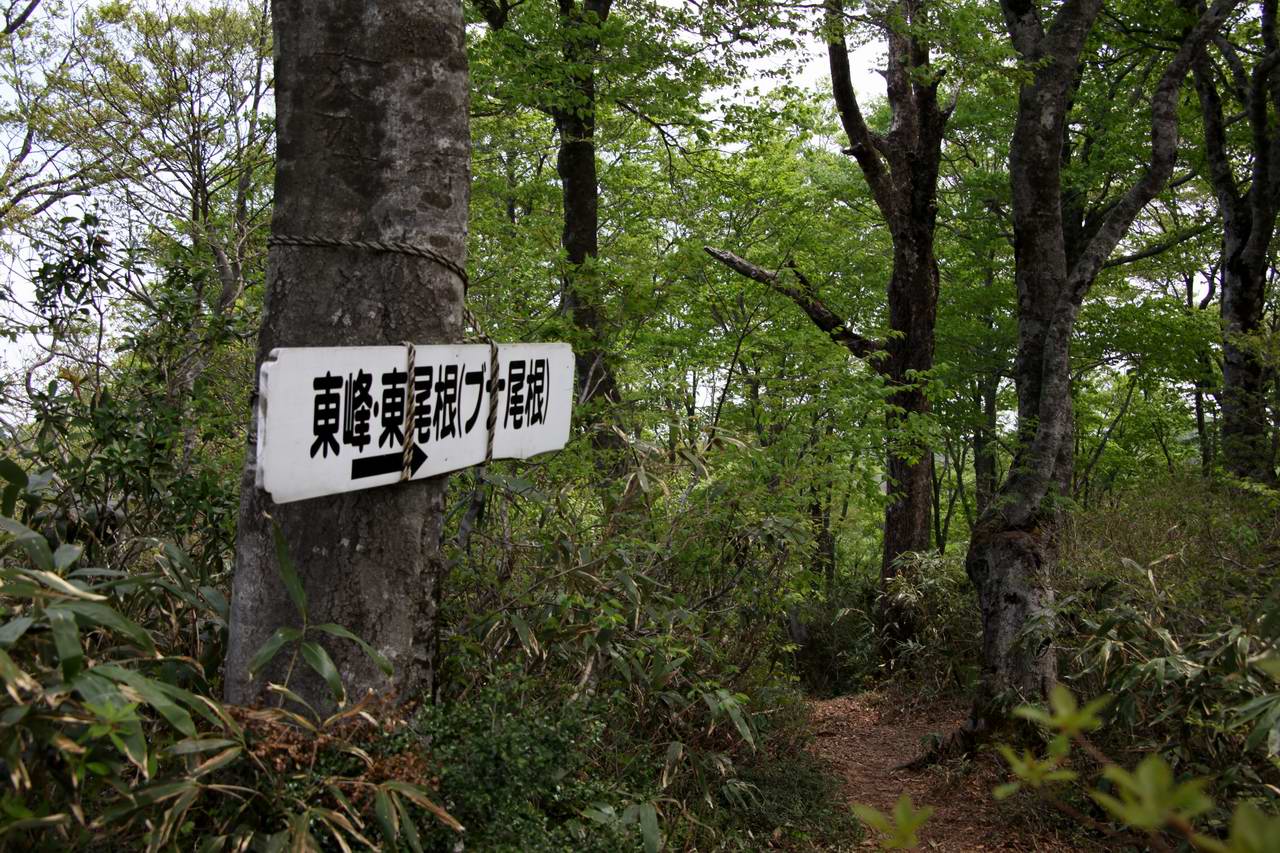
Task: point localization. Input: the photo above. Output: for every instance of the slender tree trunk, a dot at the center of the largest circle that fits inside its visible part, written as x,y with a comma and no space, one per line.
372,111
573,110
824,545
1204,382
580,188
986,476
576,165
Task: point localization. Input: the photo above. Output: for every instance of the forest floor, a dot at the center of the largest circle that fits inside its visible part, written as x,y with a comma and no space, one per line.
864,738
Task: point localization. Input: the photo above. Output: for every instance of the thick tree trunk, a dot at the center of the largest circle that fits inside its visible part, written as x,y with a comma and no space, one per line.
913,308
1246,427
1248,223
1011,549
372,110
1010,570
908,513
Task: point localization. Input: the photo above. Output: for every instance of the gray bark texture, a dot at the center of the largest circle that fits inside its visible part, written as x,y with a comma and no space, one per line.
901,169
1011,549
373,142
1248,223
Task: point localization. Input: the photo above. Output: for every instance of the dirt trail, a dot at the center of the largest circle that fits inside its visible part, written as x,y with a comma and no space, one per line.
865,737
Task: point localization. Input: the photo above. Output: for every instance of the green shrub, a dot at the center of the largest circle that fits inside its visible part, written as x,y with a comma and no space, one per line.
1169,605
517,773
105,750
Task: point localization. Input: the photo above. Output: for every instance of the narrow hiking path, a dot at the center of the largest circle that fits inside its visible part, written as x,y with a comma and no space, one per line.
865,737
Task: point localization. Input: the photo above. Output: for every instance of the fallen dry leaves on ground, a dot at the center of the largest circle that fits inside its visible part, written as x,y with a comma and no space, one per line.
865,737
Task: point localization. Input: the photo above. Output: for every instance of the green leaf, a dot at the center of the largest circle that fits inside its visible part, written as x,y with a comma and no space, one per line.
38,551
151,693
1066,716
1268,722
527,639
900,829
338,631
62,585
66,639
289,572
217,602
418,795
9,501
66,554
15,678
340,826
36,823
675,750
649,828
192,746
388,819
318,659
268,650
130,741
107,617
13,472
407,825
1252,831
1007,790
13,630
734,709
217,762
1149,796
179,560
300,837
298,719
873,818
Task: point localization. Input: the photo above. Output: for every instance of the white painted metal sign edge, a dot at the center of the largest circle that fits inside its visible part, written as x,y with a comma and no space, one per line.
332,419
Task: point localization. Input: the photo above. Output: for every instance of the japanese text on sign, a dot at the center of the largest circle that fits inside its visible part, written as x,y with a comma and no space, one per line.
333,419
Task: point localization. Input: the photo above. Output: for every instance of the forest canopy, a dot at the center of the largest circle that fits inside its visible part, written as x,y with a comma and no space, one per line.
924,441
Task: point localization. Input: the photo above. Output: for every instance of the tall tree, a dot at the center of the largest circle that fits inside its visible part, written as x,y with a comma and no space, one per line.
901,168
1248,224
39,169
585,62
177,101
570,98
372,107
575,119
1057,260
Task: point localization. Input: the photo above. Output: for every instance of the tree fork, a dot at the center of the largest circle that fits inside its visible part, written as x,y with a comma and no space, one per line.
1012,545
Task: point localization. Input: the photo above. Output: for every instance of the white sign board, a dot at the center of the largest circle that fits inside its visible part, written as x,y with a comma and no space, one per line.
332,419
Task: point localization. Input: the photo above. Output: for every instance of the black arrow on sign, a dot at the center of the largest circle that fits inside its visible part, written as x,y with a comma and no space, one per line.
387,463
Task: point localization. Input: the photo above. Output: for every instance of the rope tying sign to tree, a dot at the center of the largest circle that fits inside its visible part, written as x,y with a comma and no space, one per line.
417,251
410,410
480,337
388,246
